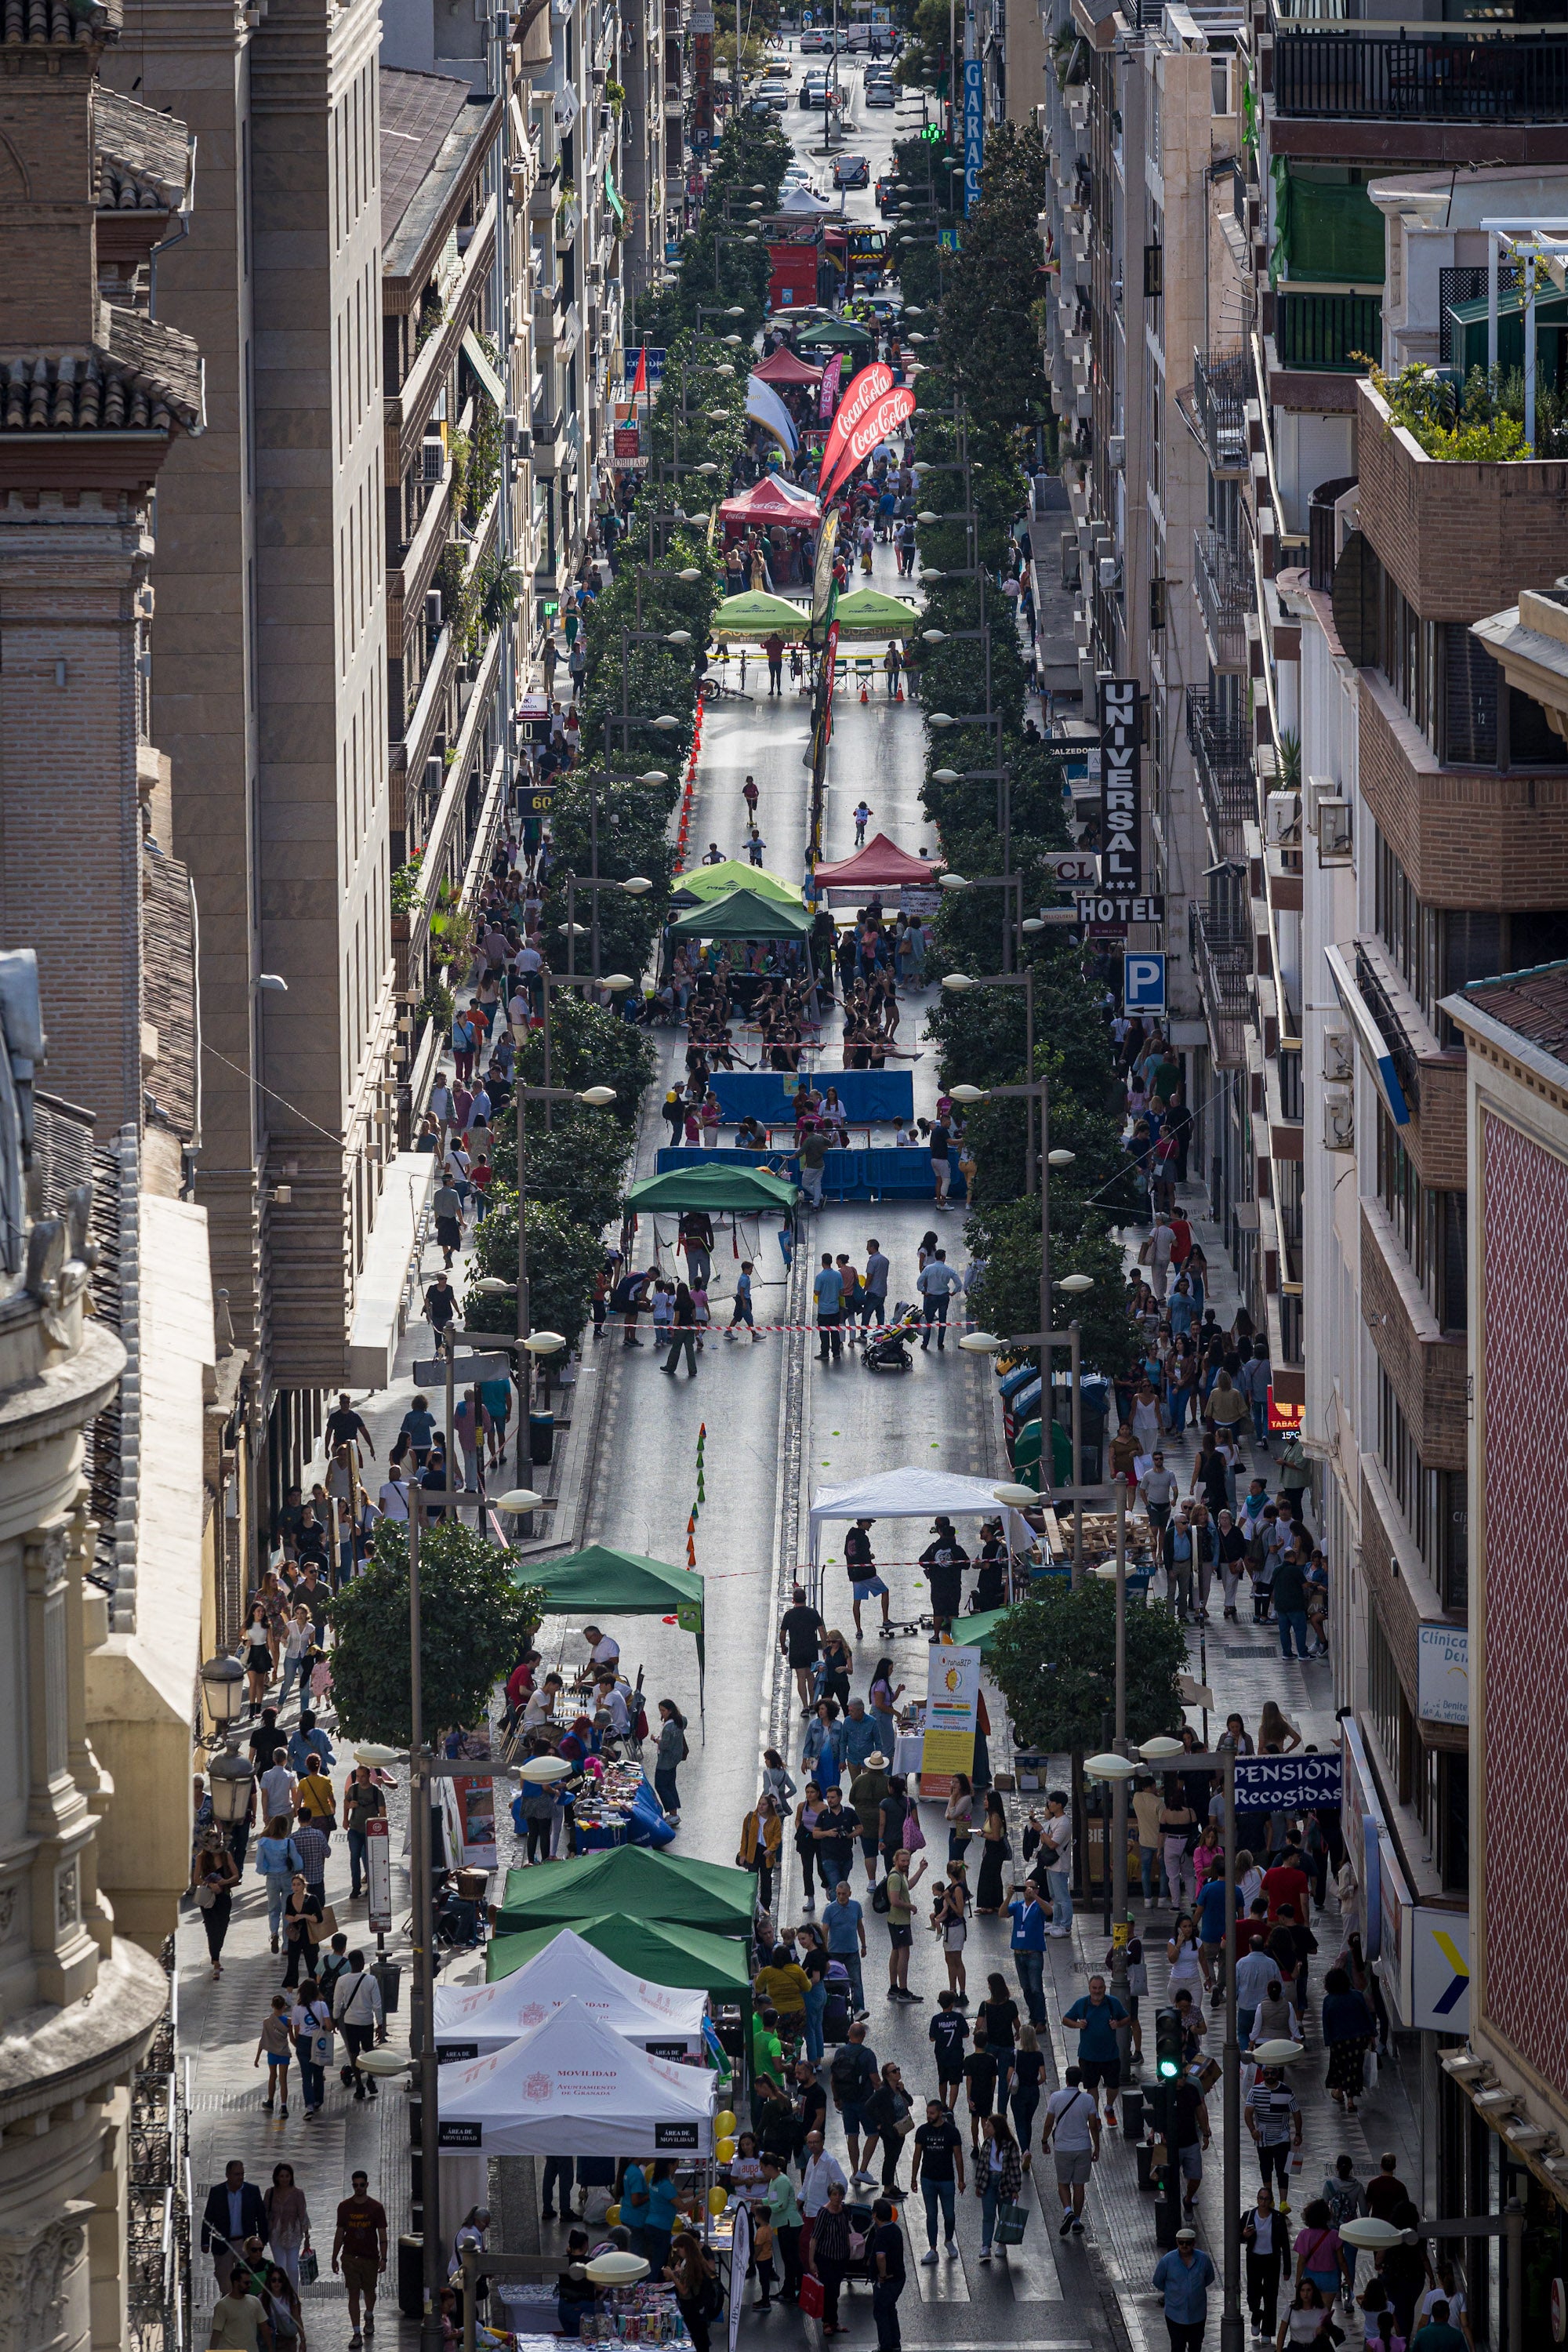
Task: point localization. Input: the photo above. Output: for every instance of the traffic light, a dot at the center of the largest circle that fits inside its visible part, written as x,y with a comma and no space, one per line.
931,133
1168,2045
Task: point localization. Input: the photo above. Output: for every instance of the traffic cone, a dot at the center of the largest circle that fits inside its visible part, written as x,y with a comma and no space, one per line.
899,695
690,1553
864,696
692,1524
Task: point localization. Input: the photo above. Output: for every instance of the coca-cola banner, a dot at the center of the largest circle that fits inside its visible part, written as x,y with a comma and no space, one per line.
865,390
894,408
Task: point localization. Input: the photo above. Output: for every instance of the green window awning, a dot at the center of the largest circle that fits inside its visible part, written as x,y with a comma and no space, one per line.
618,207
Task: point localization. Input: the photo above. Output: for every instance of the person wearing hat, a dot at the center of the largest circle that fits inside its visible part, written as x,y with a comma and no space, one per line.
869,1786
944,1562
864,1581
1183,2278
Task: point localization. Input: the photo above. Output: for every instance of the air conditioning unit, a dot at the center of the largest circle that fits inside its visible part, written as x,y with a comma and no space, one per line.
1110,572
1282,813
1116,451
1334,830
1339,1057
1339,1120
433,608
432,457
1318,789
433,774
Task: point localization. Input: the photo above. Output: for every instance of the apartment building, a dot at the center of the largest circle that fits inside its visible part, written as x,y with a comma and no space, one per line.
1141,125
1514,1031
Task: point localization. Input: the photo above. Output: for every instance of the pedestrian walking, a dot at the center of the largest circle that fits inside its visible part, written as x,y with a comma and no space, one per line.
1055,1846
214,1875
311,2025
998,2177
278,1858
1265,2241
233,2212
362,1803
938,2174
288,2221
683,1333
274,2044
827,1288
672,1754
1183,2279
899,1887
358,2252
1274,2121
937,1282
357,2009
1030,1927
885,2253
1071,2135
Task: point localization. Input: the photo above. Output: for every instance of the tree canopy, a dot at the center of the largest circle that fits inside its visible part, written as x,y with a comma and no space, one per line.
1053,1660
475,1622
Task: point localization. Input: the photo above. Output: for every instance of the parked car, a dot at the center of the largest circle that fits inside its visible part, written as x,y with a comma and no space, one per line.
851,172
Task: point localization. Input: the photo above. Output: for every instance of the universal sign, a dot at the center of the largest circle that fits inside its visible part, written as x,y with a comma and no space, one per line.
1121,858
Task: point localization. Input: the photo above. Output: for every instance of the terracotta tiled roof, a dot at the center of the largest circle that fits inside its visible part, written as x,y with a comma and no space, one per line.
59,24
1533,1005
143,157
141,376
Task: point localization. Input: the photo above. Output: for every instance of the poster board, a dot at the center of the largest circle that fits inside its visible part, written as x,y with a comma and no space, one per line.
953,1710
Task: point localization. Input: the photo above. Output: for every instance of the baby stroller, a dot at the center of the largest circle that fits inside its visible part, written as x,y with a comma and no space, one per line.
888,1351
839,2009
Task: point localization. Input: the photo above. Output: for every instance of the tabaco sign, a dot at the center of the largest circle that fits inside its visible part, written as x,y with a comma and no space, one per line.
1121,857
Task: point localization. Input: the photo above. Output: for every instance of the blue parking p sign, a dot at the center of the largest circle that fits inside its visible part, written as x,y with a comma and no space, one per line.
1143,983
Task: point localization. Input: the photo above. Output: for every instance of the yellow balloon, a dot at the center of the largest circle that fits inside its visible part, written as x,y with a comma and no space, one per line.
612,2216
717,2199
723,2123
726,2149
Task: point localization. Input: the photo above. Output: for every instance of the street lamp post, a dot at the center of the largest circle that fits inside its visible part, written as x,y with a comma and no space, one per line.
529,1342
960,982
615,982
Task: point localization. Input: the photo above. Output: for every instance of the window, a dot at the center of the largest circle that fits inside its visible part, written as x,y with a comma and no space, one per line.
1430,1225
1385,1699
1440,950
1434,1503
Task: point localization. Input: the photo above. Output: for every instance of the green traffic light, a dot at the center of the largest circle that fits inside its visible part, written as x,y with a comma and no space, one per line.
1169,2070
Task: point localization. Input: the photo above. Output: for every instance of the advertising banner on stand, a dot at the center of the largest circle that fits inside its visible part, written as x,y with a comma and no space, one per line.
378,1873
953,1713
822,577
827,398
865,391
894,408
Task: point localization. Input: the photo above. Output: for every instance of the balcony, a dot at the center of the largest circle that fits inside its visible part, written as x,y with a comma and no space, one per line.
1221,387
1346,76
1223,759
1221,959
1227,595
1327,330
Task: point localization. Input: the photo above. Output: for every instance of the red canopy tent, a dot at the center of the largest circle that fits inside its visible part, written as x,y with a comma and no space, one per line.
783,367
769,501
880,866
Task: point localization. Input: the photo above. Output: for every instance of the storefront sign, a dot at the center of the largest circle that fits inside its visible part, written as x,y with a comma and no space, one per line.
1299,1782
1284,1417
953,1708
1101,907
1073,866
1121,855
973,129
628,445
535,800
1439,1970
1443,1674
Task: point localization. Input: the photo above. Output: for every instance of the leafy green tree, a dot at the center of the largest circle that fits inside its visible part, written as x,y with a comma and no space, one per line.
562,1258
1054,1659
581,1162
589,1047
476,1617
988,344
1006,1299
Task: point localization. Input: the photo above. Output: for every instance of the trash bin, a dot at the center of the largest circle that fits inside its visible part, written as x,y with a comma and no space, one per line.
541,1438
411,2277
388,1976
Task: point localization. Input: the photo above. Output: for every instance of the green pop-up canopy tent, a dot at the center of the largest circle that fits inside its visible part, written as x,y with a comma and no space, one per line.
678,1956
744,914
705,882
623,1584
753,614
665,1887
867,612
834,335
719,1185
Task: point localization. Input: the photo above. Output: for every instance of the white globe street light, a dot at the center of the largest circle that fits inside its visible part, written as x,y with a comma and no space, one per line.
980,1343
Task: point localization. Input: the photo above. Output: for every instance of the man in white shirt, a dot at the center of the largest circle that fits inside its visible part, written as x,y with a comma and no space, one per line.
604,1653
1255,1971
1072,2134
357,2009
822,2169
936,1283
1156,1254
394,1500
1058,1857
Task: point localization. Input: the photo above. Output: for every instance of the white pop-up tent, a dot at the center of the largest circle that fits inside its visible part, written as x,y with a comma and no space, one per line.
473,2019
573,2087
915,1493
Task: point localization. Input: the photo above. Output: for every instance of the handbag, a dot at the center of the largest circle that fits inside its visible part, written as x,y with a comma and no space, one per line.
310,2268
1012,2220
914,1836
812,2301
207,1895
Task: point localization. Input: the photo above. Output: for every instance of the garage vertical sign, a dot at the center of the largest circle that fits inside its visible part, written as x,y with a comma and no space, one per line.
973,129
1121,857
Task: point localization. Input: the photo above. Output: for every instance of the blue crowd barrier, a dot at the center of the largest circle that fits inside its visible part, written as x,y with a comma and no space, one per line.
769,1095
883,1173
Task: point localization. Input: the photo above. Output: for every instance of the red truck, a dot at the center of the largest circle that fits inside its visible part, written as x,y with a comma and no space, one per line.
792,285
